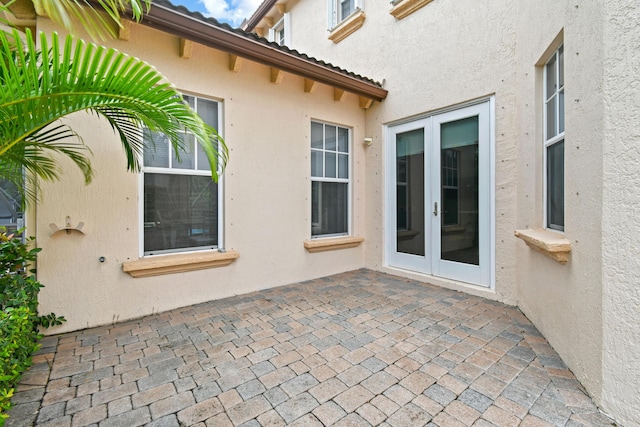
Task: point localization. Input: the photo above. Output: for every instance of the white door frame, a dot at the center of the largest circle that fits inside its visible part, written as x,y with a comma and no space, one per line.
430,264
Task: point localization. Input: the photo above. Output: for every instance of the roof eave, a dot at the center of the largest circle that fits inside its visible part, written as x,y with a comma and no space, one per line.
199,31
260,13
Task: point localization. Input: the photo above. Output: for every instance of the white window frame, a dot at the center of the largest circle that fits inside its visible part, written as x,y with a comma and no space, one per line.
334,12
161,170
558,136
284,24
329,179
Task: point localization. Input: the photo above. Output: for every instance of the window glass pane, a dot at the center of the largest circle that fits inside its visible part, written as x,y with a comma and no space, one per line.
329,208
346,7
203,162
187,157
551,118
561,66
280,36
190,100
330,165
156,149
555,186
11,216
316,163
343,140
180,212
316,135
551,77
561,112
330,138
343,166
208,110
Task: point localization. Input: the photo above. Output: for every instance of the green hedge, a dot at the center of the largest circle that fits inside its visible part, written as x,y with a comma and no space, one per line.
19,319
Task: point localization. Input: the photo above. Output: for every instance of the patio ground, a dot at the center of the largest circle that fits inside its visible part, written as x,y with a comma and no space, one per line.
355,349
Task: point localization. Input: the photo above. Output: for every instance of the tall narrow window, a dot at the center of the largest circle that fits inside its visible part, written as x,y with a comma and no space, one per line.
180,199
554,140
329,180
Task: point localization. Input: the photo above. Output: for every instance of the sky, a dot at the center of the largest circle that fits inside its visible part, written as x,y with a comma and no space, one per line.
232,12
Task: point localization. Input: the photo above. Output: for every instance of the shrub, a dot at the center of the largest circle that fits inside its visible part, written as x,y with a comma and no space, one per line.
19,319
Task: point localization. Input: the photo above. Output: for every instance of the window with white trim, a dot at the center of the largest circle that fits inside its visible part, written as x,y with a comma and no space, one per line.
554,140
281,31
330,171
181,206
339,10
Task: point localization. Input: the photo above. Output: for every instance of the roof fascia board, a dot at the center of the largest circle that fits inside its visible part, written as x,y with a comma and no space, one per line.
260,13
199,31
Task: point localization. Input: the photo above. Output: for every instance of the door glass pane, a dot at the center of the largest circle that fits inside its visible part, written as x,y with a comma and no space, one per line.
459,191
410,191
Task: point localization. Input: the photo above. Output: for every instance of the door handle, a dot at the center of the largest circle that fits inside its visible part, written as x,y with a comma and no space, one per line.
435,208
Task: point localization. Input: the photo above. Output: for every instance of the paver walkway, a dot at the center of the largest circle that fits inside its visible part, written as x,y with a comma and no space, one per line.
355,349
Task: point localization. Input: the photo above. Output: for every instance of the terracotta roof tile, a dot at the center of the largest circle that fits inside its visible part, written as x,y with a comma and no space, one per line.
261,40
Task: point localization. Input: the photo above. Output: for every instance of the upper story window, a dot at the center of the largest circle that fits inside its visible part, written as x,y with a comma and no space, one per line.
330,182
339,10
281,31
181,204
554,140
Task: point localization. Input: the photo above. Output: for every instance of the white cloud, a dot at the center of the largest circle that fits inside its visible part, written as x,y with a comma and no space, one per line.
231,11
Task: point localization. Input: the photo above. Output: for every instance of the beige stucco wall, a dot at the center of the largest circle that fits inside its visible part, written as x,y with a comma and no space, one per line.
428,64
267,195
620,225
564,301
588,308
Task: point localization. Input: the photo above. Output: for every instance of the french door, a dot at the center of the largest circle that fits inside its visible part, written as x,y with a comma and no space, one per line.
439,217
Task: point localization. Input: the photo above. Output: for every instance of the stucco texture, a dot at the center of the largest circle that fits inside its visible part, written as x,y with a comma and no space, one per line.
267,195
620,226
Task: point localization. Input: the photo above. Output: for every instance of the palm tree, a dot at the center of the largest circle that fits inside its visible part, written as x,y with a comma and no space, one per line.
42,85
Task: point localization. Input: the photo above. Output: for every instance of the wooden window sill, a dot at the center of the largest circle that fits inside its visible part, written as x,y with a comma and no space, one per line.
178,263
332,244
405,8
347,27
547,242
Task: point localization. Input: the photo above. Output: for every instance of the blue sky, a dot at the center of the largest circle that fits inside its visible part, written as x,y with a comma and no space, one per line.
230,11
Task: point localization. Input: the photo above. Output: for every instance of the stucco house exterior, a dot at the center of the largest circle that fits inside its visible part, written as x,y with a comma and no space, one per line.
458,161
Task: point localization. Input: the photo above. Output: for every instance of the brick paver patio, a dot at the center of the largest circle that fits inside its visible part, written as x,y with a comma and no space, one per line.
355,349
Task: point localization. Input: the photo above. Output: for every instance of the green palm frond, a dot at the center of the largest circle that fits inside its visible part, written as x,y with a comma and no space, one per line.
98,24
40,86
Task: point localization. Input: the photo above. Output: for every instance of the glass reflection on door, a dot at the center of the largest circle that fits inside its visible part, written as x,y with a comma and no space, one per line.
410,192
459,191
